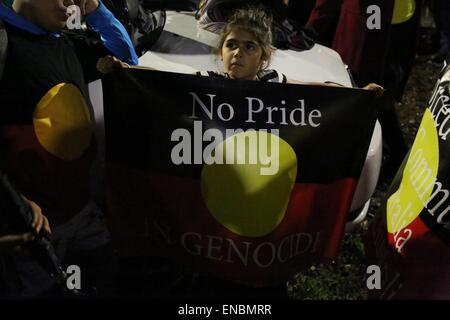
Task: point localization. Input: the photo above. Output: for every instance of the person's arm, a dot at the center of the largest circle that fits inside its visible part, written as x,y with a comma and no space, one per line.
112,33
324,84
12,242
109,63
379,90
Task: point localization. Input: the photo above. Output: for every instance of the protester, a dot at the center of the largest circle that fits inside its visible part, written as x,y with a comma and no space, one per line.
46,137
383,54
245,49
342,25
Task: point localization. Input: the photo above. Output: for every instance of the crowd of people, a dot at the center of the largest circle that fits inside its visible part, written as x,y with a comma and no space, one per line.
42,64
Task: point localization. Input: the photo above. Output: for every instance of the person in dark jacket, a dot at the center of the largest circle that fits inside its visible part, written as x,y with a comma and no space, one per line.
383,54
46,127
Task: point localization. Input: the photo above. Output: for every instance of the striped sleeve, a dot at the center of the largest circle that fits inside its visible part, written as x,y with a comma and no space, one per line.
272,76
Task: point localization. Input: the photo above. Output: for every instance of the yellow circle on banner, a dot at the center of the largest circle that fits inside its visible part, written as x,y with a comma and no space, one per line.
418,180
403,11
62,122
249,193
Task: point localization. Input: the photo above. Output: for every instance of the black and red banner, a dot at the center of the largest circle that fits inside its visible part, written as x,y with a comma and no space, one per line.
245,180
409,238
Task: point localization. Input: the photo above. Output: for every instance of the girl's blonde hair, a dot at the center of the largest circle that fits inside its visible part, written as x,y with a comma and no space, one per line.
255,21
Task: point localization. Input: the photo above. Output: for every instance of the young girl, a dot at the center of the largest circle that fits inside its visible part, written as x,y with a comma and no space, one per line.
245,49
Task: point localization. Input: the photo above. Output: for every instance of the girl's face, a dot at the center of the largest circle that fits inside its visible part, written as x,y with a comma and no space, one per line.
241,55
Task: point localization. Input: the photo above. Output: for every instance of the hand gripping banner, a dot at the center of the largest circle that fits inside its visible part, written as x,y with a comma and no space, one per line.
244,180
409,239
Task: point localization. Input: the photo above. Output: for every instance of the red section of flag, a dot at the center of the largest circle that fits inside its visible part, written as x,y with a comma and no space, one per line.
166,215
404,238
58,186
414,264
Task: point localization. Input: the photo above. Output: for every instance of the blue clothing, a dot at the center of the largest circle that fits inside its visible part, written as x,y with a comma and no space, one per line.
14,19
112,33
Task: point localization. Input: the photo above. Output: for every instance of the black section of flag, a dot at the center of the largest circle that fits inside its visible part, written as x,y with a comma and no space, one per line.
143,108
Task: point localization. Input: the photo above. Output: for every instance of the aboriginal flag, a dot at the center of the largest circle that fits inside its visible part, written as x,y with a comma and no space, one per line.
48,148
409,239
245,180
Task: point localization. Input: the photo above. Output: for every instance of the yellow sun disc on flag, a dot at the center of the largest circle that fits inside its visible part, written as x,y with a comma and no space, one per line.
62,122
249,193
419,177
403,11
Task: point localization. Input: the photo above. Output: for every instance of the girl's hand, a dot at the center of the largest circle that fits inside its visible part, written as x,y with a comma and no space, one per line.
379,90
